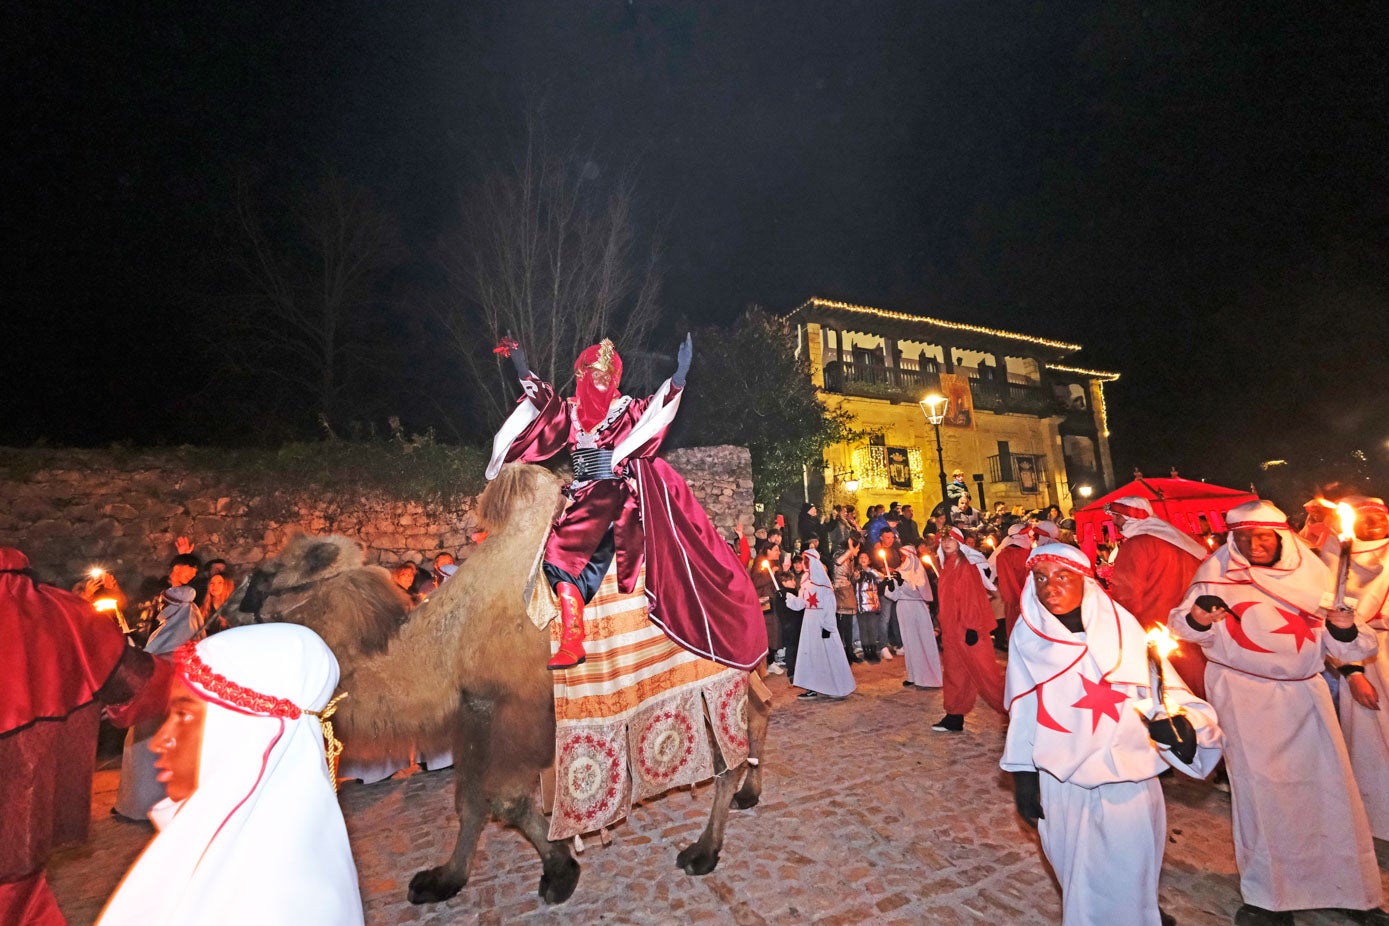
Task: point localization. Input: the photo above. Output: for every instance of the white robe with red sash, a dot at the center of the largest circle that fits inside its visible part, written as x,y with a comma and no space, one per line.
1078,705
1367,731
1301,837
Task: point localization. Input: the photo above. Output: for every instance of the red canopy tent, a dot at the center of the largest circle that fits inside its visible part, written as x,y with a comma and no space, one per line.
1184,502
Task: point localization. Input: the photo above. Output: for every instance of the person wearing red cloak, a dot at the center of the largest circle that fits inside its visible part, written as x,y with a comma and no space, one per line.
966,620
1009,564
60,659
630,507
1153,568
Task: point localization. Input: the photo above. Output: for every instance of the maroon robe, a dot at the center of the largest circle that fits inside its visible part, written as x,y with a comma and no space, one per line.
699,593
970,672
1150,578
1011,565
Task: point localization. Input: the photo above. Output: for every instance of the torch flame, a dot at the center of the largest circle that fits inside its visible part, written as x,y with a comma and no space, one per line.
1346,515
1161,641
105,604
767,565
882,555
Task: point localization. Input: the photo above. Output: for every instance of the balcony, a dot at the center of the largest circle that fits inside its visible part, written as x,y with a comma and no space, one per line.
909,384
875,381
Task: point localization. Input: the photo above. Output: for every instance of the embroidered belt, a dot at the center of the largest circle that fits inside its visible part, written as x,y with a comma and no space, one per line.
592,463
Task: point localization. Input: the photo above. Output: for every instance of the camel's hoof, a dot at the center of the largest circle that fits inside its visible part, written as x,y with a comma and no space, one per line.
694,859
435,884
556,886
747,797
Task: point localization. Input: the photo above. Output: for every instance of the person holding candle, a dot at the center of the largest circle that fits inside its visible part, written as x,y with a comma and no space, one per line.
821,667
887,554
966,620
1257,607
1152,569
910,591
1088,737
1363,711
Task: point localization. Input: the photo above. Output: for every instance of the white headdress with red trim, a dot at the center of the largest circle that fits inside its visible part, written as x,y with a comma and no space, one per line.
1140,520
261,840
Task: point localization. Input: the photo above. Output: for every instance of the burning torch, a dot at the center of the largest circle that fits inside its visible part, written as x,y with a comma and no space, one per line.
1346,514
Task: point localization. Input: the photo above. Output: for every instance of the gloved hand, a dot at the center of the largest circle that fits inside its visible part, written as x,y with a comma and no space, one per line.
1176,732
518,357
971,637
889,585
825,634
682,362
1027,797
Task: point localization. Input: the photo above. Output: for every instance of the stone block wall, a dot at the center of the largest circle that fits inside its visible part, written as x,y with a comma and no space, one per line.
72,510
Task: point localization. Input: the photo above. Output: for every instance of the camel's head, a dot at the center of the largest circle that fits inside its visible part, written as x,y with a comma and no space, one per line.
305,562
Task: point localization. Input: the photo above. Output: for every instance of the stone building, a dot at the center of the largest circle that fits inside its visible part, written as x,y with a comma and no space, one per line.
1026,427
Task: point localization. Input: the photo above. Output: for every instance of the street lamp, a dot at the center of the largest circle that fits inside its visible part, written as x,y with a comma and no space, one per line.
933,407
851,483
1084,491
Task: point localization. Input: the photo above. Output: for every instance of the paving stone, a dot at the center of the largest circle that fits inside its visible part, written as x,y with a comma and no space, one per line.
867,816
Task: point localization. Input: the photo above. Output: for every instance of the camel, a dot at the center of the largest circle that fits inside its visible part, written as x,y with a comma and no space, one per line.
469,664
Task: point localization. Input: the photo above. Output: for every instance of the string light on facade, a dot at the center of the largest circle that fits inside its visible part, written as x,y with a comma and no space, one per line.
870,463
938,322
1104,376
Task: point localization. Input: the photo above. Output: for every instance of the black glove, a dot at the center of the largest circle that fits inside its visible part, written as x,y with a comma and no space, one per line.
1211,603
825,634
1027,797
518,360
682,362
1176,732
971,637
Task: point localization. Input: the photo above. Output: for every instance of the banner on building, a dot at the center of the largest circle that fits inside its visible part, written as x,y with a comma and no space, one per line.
899,468
960,412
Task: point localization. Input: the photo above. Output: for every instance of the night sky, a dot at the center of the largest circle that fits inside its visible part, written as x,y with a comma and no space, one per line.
1196,192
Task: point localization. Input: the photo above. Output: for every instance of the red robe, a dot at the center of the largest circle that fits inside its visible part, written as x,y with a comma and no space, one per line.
58,653
970,671
699,593
1011,566
1150,578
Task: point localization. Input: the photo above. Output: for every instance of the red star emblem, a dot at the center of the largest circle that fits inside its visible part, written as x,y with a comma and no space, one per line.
812,600
1297,624
1101,699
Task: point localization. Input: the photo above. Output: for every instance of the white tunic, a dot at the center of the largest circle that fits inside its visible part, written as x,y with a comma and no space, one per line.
1301,836
1078,706
821,665
1367,731
914,618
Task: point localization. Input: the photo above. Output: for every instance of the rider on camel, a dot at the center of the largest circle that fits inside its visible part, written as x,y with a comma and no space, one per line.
629,506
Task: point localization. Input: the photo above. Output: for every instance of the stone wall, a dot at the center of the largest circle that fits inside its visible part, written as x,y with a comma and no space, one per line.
71,510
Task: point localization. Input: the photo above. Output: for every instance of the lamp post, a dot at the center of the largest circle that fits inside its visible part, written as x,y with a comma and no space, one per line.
933,407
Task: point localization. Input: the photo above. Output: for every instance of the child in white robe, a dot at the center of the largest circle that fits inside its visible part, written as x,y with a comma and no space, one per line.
1088,737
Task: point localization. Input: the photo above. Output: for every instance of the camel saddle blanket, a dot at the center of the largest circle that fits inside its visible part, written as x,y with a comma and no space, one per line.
630,721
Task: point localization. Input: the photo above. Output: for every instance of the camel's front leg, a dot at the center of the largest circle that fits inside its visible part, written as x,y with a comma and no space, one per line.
559,872
470,751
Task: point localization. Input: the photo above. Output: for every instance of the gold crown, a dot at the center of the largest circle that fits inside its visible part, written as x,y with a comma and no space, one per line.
604,360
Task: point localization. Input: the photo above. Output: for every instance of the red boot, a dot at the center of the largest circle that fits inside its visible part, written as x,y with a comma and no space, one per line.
571,640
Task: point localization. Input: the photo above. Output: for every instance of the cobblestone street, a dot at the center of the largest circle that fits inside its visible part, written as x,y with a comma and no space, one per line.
867,816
